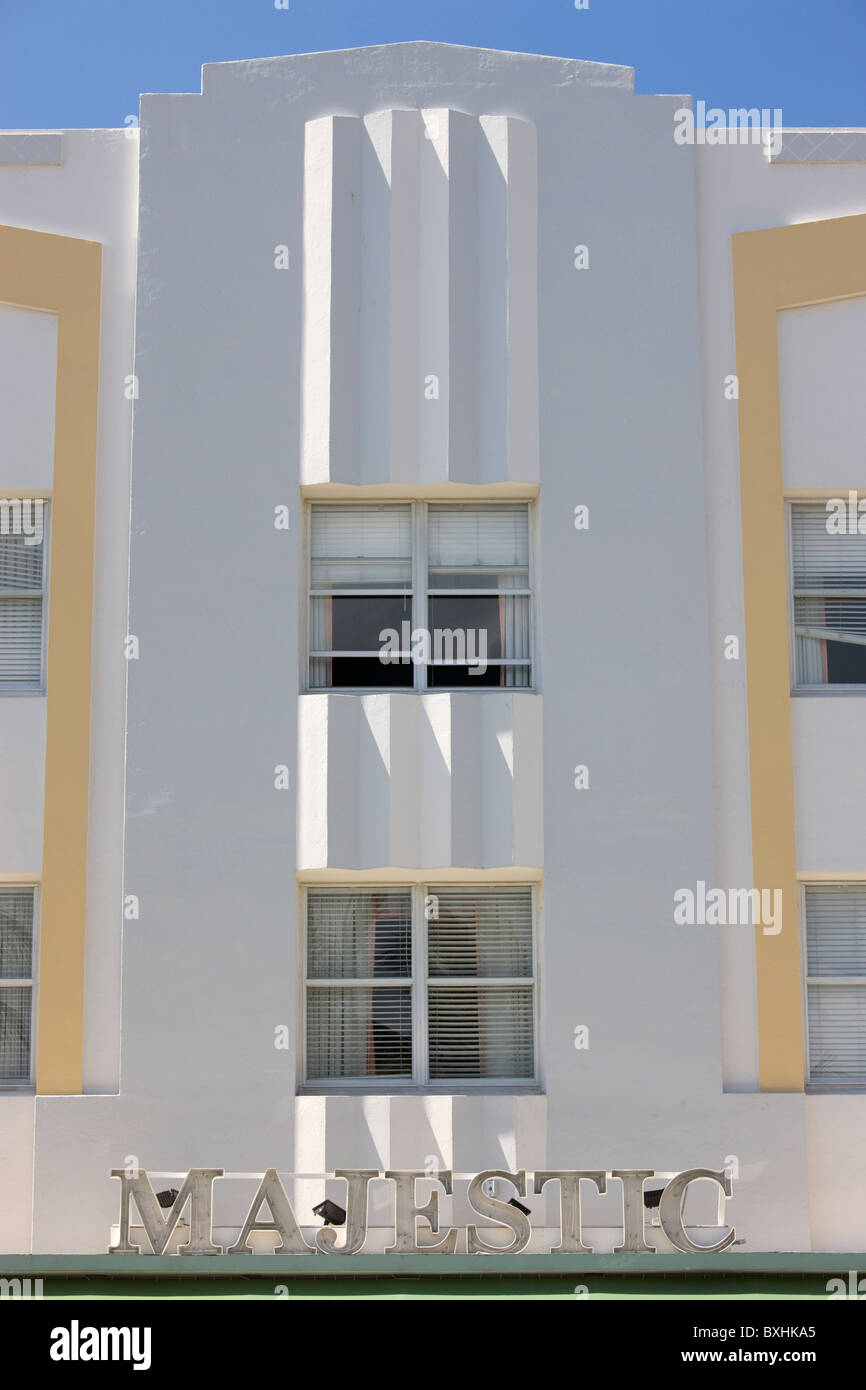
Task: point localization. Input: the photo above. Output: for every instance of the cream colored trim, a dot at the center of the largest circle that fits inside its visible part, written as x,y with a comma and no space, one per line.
777,268
459,492
411,876
821,494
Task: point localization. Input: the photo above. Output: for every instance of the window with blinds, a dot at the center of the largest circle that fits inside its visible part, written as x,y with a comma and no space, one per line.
419,596
836,983
16,983
829,577
22,575
420,986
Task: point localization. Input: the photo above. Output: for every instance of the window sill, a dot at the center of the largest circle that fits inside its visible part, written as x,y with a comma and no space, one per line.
433,690
825,1088
483,1089
822,691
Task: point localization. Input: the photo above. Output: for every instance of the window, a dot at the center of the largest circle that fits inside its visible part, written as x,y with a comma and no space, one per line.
419,596
836,983
829,599
16,984
420,986
22,577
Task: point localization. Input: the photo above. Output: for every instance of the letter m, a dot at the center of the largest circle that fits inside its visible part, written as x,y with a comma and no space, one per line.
197,1190
742,119
449,644
10,1288
744,906
10,517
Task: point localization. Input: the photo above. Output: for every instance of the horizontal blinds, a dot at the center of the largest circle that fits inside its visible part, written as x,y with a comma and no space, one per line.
478,932
360,547
478,995
836,949
478,538
364,1031
358,934
21,643
16,1000
21,575
836,929
20,565
822,559
16,1008
481,1033
16,933
837,1034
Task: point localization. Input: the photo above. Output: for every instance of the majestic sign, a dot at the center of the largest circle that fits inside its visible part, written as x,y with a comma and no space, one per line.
160,1213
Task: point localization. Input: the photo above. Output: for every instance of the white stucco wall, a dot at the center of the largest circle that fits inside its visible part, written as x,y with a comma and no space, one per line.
822,364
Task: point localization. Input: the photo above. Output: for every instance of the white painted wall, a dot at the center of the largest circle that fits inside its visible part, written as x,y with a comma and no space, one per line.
822,366
22,758
28,373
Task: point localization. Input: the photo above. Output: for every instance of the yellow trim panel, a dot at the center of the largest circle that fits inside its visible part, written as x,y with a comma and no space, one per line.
60,274
777,268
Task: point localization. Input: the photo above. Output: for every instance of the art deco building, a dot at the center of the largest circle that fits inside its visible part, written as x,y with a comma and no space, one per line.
468,361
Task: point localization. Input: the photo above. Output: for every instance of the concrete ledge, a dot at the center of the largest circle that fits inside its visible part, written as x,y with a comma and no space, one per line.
327,1266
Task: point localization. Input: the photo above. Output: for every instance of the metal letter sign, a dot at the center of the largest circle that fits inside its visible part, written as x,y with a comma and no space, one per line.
504,1214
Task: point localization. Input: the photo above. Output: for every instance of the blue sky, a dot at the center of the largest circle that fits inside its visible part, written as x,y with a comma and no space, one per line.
84,62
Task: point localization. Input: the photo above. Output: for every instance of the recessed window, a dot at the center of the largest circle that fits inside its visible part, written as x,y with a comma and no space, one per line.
829,574
16,983
420,986
22,602
836,983
419,596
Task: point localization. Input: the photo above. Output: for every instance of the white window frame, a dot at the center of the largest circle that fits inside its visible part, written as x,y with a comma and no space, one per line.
421,593
27,1085
799,689
821,1085
418,984
12,692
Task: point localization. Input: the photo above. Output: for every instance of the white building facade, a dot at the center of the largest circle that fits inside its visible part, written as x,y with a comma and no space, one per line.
461,359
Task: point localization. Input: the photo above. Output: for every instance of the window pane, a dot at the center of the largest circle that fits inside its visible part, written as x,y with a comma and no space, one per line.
15,1011
481,1033
480,932
16,933
20,563
837,1034
355,547
830,623
360,1031
355,624
358,673
478,547
358,935
823,559
477,632
836,929
21,642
